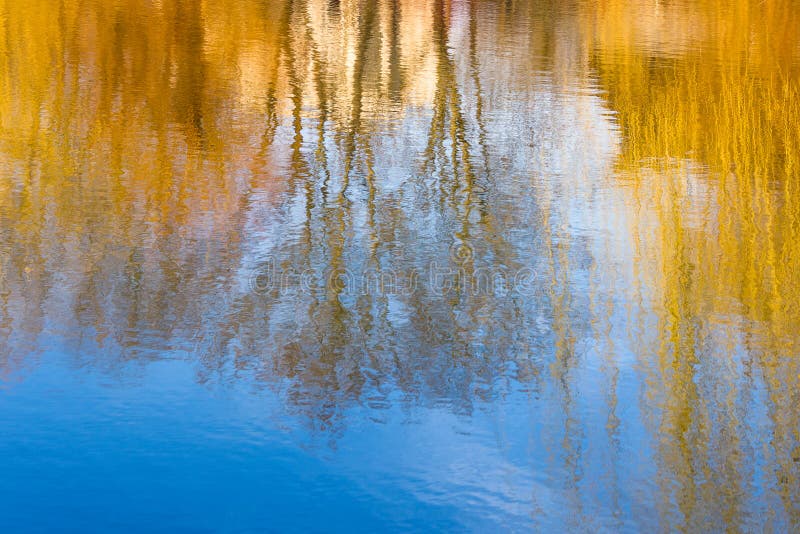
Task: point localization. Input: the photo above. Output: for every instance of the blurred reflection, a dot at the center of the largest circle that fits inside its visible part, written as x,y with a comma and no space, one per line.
444,203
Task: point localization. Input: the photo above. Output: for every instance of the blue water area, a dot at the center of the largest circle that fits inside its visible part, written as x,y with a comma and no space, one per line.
149,447
83,452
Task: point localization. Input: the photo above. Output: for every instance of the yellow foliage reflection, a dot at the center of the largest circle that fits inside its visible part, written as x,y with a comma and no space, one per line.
641,157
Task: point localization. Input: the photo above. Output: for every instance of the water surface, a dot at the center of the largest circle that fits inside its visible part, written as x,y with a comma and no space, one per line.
399,264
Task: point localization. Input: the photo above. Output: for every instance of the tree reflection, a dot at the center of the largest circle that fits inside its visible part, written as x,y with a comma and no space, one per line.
157,154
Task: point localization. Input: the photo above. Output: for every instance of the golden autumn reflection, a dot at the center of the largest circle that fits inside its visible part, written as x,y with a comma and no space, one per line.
588,209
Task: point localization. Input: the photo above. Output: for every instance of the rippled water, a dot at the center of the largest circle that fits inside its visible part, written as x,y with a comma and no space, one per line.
404,264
